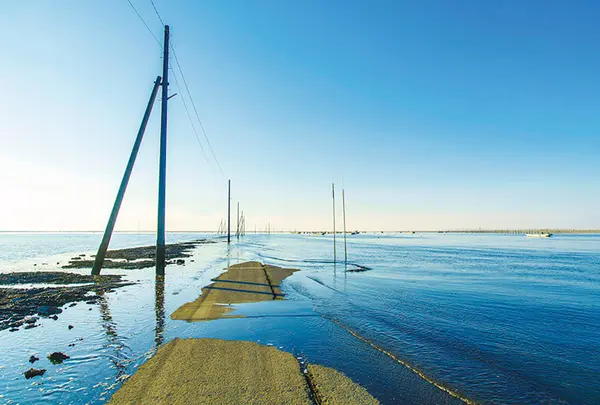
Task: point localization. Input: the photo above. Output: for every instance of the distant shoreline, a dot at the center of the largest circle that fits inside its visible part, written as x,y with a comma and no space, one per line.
524,231
505,231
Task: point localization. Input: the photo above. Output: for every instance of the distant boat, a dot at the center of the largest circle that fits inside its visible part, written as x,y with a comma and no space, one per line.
538,235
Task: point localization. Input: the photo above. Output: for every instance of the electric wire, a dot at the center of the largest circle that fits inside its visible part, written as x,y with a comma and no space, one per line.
187,111
157,14
196,111
144,22
190,96
174,77
179,88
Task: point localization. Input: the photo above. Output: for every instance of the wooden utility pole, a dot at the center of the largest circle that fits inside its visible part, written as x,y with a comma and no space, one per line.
333,197
344,211
229,211
162,174
99,260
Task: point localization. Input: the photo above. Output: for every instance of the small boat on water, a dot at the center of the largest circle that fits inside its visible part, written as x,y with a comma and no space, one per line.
538,235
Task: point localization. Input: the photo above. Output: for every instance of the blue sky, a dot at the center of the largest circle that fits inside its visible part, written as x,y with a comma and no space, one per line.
431,114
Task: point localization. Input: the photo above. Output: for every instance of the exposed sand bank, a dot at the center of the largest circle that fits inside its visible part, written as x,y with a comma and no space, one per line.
334,388
139,257
214,371
244,282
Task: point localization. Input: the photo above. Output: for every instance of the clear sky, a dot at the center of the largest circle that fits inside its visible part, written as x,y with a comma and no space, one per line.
431,114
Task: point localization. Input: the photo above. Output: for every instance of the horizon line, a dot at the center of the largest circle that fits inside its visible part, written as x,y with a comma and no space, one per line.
467,230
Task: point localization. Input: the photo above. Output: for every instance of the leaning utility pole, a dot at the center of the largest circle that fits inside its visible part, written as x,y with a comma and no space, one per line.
99,260
162,174
344,210
333,196
229,211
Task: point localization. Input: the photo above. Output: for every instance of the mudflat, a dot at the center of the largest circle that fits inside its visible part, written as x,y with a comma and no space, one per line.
244,282
215,371
139,257
19,305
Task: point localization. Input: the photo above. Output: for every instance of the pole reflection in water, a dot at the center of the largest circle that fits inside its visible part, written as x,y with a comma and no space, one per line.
228,256
159,310
345,276
113,341
334,279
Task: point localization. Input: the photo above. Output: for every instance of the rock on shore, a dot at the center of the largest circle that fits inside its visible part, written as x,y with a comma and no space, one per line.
34,372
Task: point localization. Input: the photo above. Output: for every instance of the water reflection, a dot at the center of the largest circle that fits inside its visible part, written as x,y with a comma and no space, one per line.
345,278
159,310
113,341
335,275
228,256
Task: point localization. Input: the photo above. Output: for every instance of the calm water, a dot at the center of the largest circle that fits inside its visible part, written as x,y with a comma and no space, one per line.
496,318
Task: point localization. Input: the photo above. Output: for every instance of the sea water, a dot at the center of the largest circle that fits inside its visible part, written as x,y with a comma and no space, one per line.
490,318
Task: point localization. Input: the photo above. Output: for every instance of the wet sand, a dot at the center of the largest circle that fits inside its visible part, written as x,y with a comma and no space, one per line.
333,387
214,371
241,283
139,257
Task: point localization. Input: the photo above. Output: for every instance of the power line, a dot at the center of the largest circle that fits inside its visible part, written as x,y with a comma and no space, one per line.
144,22
190,117
157,14
196,110
187,90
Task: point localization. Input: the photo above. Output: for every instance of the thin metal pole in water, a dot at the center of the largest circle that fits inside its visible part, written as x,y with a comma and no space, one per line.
229,211
237,232
162,174
333,196
99,261
344,211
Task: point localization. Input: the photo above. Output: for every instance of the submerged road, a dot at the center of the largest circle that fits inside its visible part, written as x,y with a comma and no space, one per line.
241,283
